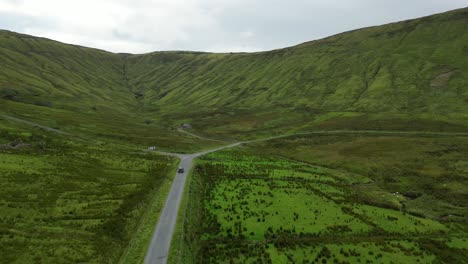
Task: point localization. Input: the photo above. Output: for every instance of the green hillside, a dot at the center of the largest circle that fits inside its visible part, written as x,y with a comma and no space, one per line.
403,76
78,90
52,74
380,177
414,66
410,70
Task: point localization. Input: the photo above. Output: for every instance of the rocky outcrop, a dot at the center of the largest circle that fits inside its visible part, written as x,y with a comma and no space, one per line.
18,143
186,126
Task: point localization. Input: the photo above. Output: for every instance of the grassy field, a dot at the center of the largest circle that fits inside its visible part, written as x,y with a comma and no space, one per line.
249,206
425,175
330,197
68,201
107,125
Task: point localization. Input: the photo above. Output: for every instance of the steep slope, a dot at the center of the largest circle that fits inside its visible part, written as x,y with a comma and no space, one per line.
412,68
418,65
79,90
45,72
410,75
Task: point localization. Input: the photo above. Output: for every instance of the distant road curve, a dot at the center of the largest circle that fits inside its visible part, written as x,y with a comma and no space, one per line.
200,137
158,250
159,247
36,125
380,132
429,133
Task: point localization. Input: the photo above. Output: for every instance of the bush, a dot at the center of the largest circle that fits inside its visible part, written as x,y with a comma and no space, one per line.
9,94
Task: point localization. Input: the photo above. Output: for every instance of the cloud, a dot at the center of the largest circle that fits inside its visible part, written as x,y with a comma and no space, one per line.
207,25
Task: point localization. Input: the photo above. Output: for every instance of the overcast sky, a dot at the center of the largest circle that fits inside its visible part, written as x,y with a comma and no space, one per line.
139,26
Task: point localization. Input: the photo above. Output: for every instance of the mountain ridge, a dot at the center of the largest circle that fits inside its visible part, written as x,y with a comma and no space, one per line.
243,52
409,72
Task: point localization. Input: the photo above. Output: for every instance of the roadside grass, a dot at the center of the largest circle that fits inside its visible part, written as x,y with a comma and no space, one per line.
246,206
139,243
66,200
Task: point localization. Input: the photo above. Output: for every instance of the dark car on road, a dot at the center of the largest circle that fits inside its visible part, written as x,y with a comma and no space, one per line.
181,170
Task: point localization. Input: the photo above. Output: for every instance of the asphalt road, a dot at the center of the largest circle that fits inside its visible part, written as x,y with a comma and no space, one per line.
161,240
158,250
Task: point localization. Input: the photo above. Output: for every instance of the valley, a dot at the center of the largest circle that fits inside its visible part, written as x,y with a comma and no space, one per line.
348,149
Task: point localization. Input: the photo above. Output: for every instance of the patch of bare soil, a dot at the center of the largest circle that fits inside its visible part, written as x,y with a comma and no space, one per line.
441,80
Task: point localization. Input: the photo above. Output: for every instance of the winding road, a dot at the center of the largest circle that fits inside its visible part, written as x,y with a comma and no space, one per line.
159,248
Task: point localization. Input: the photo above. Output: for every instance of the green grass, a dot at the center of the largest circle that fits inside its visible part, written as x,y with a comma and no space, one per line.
461,243
394,222
243,205
386,252
264,207
96,199
139,243
71,201
425,175
109,126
